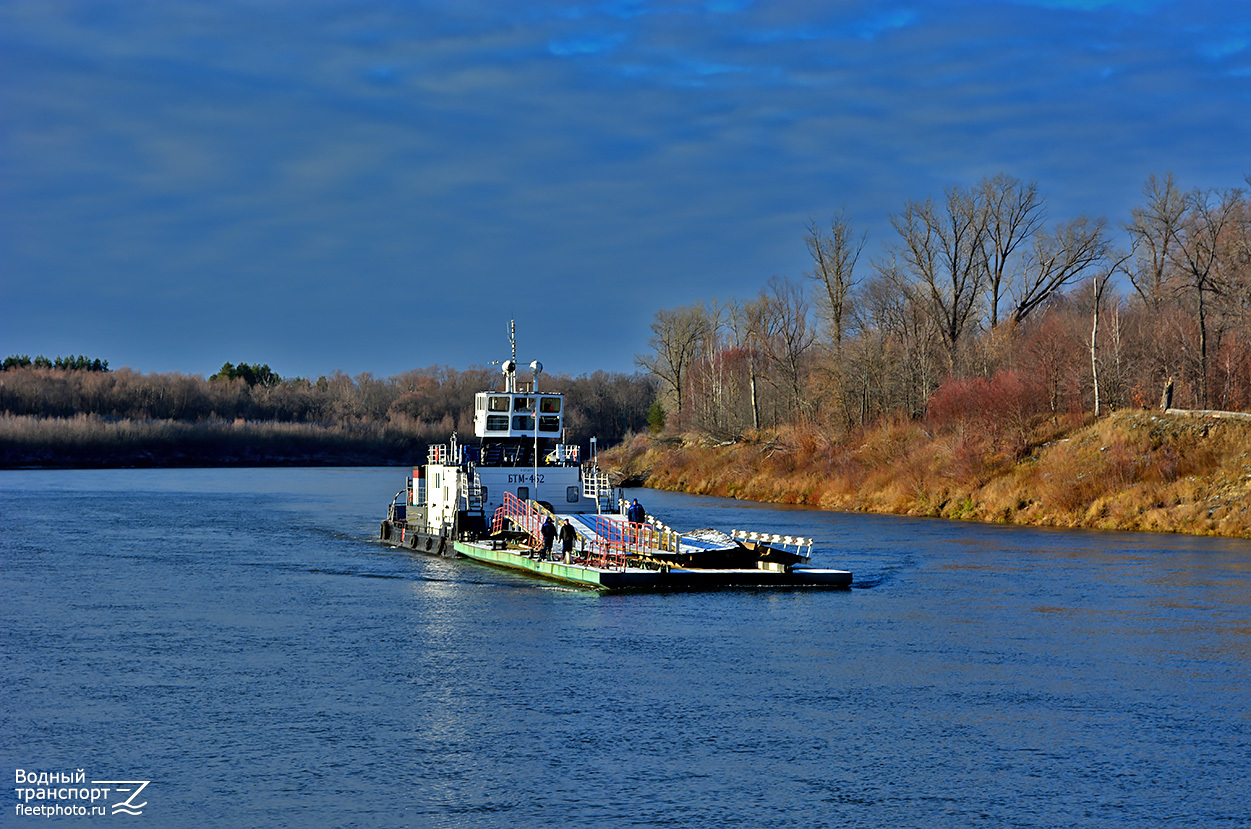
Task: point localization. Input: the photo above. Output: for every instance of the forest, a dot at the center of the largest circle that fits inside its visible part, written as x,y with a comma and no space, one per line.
247,414
958,371
979,300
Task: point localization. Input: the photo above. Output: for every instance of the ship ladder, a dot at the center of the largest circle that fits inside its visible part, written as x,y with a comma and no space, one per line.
520,515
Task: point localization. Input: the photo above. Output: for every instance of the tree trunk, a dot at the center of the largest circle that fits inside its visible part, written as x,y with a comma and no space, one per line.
755,406
1094,357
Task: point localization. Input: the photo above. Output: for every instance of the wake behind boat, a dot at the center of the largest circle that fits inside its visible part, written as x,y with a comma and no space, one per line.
506,496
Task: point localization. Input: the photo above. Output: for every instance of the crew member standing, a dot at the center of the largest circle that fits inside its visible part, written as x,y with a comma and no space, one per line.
548,531
567,535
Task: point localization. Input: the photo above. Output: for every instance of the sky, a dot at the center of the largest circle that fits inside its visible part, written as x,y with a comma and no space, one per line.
381,185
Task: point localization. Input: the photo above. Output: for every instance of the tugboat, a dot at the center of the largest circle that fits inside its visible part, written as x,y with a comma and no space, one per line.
488,499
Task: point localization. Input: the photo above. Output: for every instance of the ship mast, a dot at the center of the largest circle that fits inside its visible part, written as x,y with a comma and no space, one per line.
510,370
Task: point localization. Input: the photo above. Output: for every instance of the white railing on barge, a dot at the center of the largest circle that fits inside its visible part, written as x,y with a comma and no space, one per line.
803,546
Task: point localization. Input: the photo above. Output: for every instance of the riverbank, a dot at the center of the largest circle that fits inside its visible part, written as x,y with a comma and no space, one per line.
1131,470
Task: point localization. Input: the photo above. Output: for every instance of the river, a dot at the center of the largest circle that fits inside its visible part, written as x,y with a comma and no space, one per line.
237,639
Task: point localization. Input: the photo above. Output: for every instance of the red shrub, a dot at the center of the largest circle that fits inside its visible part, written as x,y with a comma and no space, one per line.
995,405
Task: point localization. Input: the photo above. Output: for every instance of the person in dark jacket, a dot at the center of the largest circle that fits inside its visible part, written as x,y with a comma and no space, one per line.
567,535
635,514
548,531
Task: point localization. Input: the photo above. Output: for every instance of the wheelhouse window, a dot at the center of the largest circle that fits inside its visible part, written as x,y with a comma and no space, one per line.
549,423
498,404
523,423
549,405
497,423
523,404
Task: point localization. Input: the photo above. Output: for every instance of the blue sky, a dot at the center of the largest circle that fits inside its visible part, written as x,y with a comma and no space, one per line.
380,185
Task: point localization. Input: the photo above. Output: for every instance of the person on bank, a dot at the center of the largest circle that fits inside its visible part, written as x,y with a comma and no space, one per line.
548,531
567,535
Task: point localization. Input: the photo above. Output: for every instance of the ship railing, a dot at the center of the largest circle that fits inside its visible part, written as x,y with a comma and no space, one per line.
616,541
597,486
667,539
520,515
453,454
803,546
565,454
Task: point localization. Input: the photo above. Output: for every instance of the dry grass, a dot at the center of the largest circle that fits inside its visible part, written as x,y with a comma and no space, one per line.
1132,470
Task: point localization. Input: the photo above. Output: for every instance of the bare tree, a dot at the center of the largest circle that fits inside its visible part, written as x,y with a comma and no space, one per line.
834,256
710,381
1153,228
1014,213
676,337
1197,254
941,254
1059,257
788,336
902,359
1099,288
748,321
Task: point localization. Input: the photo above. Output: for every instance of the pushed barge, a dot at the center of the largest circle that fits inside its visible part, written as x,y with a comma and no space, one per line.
488,499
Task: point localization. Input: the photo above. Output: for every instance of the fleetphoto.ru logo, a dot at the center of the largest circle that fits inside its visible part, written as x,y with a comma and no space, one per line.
57,793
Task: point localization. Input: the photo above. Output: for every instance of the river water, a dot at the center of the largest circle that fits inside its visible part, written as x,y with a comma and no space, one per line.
239,640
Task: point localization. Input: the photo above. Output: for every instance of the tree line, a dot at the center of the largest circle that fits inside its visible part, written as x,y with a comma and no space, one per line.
368,416
979,300
80,362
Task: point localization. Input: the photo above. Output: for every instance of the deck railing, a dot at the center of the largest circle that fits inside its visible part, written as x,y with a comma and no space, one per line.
616,540
803,546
